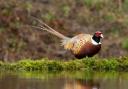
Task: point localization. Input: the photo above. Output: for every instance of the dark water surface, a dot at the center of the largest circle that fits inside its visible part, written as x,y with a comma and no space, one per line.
64,80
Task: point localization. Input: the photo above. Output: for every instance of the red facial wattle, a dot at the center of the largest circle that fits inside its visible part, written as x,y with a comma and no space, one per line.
99,34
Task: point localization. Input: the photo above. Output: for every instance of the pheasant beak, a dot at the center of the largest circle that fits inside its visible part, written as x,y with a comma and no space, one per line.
101,36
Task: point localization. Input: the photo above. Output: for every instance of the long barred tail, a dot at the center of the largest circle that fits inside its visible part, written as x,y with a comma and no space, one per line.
47,28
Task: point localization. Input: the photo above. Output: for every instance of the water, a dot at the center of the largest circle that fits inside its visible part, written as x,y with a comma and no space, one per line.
64,80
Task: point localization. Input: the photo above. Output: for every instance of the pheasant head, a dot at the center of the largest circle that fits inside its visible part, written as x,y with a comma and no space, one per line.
96,38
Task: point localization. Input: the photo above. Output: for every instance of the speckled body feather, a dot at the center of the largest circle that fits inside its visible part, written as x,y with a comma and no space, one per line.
81,46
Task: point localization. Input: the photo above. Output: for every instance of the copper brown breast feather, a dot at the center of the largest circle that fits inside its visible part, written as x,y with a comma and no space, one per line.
81,45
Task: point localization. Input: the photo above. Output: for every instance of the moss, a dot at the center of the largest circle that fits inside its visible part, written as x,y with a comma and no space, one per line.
108,65
73,65
54,65
91,64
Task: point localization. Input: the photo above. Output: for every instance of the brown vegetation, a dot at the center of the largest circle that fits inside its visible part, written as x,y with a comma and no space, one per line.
69,17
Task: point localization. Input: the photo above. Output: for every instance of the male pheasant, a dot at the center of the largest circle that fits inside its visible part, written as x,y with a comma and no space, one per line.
82,45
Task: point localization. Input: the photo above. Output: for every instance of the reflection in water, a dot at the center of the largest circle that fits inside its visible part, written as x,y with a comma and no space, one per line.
81,84
14,82
96,81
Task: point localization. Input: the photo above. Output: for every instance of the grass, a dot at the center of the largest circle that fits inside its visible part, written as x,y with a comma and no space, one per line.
86,64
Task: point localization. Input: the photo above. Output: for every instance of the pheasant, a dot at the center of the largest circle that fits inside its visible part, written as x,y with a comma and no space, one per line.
82,45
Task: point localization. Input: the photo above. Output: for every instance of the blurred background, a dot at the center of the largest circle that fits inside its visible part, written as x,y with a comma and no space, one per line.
69,17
